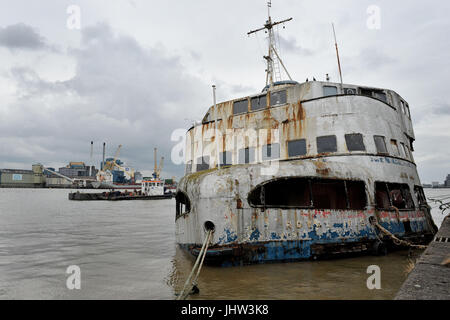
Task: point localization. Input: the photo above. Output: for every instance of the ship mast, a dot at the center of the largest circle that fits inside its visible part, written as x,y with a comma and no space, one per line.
273,58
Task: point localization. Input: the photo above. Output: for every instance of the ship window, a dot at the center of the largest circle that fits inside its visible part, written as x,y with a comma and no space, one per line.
271,151
258,102
350,91
328,194
382,196
407,110
410,156
297,148
329,90
400,196
380,144
420,195
375,93
326,144
283,193
405,151
395,147
240,106
380,96
183,205
246,155
202,163
225,158
277,98
403,106
356,192
402,150
355,142
189,167
393,194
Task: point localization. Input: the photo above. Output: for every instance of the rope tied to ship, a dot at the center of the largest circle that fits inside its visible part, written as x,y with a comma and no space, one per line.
191,285
395,240
443,206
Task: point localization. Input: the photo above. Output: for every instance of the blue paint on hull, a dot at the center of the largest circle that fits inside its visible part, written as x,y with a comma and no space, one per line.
228,252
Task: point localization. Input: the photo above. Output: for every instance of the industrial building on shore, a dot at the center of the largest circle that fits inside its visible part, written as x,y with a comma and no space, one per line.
73,175
19,178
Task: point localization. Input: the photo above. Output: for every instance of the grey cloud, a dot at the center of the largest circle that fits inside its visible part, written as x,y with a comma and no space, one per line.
21,36
443,108
373,58
128,93
240,88
122,93
30,83
290,45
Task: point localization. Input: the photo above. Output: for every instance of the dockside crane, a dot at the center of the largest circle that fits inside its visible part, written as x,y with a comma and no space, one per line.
161,164
109,165
157,170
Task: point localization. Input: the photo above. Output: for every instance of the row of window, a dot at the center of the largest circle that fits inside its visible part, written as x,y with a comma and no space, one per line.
280,97
153,184
325,194
310,193
296,148
259,102
316,193
401,150
332,194
374,93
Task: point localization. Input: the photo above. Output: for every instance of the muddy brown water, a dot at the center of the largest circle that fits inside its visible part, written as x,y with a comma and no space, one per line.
127,250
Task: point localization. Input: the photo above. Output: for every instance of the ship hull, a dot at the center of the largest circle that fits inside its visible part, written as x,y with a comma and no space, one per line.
245,235
295,250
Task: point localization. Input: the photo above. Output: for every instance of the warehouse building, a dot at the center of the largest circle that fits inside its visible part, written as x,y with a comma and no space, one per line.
78,170
18,178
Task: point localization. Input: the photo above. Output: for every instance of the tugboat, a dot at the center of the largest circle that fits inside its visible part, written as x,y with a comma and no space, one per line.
301,171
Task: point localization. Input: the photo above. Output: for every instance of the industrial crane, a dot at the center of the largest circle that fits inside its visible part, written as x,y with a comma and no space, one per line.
109,165
157,170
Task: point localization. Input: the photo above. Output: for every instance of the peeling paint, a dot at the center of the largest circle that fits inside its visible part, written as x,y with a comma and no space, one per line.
253,234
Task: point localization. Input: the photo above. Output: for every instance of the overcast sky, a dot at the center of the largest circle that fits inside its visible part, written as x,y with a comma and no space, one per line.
136,70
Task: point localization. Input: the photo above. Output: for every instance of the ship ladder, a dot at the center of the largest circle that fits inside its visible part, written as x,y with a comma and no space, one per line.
191,285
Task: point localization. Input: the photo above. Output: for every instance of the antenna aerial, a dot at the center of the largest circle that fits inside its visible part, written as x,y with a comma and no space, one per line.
337,54
273,58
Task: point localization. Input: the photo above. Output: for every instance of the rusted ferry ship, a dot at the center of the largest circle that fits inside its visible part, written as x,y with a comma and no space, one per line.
301,171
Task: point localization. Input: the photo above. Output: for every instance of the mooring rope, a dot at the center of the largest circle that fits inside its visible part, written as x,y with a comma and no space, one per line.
198,263
443,206
396,240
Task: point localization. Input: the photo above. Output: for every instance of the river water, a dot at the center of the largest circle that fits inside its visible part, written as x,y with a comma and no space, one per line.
127,250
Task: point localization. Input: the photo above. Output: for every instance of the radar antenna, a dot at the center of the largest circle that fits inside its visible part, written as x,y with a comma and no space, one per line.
273,58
